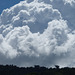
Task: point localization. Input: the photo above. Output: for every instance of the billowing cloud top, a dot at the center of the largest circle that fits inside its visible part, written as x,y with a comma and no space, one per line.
35,32
71,2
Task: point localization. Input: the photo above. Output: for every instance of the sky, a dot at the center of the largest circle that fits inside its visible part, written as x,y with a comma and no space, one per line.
38,32
7,4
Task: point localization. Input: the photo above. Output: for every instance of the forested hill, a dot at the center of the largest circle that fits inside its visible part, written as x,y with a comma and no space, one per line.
36,70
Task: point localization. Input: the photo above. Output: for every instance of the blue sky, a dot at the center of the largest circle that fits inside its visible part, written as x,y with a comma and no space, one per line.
7,4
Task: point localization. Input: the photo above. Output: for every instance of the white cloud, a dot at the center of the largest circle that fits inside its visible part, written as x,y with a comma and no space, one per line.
6,49
31,14
1,38
35,33
29,45
71,2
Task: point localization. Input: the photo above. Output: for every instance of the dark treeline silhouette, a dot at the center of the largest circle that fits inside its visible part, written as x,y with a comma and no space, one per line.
36,70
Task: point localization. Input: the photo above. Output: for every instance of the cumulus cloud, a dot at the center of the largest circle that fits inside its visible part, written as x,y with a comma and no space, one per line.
71,2
33,32
6,49
32,14
67,10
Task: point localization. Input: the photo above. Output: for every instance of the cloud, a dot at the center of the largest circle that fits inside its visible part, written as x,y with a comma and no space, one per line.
41,47
33,32
32,14
6,49
67,11
71,2
1,38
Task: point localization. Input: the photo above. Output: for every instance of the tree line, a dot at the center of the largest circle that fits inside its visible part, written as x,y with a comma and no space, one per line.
36,70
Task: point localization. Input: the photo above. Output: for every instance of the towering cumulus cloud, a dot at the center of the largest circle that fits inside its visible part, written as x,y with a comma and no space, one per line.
33,32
